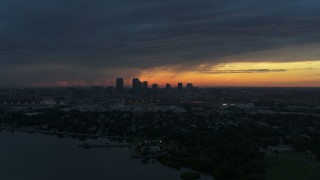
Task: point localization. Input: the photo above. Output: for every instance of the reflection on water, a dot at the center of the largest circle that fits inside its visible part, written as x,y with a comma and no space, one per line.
39,157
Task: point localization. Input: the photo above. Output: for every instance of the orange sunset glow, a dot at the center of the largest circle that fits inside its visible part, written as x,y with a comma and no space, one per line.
305,74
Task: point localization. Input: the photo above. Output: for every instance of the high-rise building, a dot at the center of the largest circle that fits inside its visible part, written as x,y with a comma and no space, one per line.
169,90
136,86
180,87
155,86
119,85
97,92
189,87
145,85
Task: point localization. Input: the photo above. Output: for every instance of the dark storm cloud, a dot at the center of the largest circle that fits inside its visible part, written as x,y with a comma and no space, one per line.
101,35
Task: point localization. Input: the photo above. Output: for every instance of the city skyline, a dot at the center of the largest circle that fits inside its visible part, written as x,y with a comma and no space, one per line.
120,85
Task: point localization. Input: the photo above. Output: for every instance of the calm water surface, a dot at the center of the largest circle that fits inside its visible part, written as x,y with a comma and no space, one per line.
46,157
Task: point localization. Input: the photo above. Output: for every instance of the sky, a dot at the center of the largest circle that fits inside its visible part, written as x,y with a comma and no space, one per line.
206,42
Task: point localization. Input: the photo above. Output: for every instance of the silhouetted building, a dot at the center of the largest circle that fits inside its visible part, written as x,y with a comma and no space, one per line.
168,86
136,86
189,87
97,92
169,89
119,85
180,87
145,85
155,86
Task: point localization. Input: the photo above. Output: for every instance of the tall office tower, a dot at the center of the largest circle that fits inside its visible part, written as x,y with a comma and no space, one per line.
180,87
189,87
136,86
145,85
119,85
97,92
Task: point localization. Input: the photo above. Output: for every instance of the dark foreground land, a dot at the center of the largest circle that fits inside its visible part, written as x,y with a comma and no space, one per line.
227,144
228,133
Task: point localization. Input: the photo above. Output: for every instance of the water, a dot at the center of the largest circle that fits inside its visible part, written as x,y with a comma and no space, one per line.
39,157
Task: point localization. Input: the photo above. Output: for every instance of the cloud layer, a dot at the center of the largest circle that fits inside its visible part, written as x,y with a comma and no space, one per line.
72,40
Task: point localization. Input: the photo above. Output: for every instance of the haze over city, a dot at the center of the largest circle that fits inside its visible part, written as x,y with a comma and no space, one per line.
211,43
